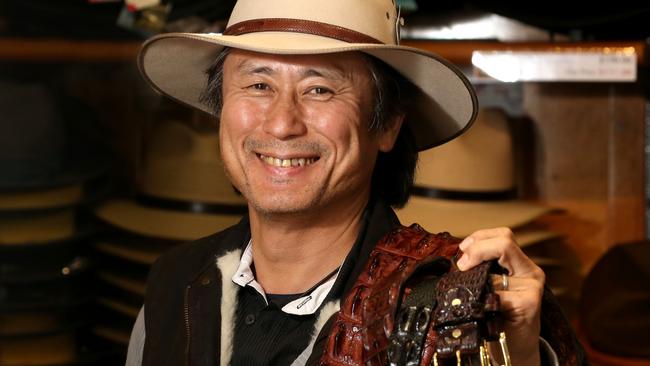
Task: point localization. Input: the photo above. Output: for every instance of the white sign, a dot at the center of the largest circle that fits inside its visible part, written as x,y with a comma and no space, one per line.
605,65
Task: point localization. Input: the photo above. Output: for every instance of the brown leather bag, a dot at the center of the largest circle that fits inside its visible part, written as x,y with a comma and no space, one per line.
386,319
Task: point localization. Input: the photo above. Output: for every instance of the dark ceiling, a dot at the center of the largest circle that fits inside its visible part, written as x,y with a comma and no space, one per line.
80,19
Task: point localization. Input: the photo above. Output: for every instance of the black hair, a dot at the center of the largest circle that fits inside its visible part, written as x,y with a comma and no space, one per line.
394,171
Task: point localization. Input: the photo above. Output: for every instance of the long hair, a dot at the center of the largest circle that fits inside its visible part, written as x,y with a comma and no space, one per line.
394,171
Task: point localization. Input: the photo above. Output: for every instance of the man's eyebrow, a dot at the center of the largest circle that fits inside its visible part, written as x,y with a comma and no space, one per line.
336,73
247,67
333,73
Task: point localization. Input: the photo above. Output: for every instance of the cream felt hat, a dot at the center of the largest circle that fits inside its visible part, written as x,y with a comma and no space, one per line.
469,184
441,107
183,192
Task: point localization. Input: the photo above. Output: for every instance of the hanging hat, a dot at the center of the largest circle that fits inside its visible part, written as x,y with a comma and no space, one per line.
183,191
615,302
469,183
48,146
443,102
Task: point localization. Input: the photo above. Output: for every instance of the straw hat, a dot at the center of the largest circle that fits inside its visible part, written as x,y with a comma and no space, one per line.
469,184
183,191
443,103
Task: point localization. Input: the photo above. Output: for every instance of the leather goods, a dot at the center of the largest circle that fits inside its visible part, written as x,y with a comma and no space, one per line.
466,312
411,305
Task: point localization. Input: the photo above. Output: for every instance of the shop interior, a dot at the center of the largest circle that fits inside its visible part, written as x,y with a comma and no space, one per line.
100,174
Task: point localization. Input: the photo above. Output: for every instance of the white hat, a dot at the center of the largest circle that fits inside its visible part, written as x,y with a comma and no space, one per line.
443,105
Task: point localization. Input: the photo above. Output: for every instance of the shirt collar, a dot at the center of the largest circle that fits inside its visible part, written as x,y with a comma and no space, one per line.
304,305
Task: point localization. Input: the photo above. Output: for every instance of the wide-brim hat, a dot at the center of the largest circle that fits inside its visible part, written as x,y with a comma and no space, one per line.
55,141
615,299
442,104
42,230
159,223
469,183
183,192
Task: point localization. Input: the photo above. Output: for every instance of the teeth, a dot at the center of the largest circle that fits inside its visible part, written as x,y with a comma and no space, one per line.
286,163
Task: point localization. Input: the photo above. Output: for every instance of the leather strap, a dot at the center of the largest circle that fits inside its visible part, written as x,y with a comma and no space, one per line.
466,311
410,303
360,332
299,26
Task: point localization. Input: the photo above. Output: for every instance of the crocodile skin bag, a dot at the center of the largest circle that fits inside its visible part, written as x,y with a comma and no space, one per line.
412,306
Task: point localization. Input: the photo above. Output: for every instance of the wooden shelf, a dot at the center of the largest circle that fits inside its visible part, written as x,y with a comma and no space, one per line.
21,49
460,52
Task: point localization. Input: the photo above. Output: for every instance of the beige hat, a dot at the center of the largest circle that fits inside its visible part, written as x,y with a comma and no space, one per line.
43,228
469,184
47,198
184,193
443,105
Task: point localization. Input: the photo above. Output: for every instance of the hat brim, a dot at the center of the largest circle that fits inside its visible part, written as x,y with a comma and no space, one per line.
53,199
140,255
159,223
444,103
462,218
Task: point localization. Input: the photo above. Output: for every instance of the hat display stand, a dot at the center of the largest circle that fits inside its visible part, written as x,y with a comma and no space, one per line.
52,171
468,184
182,194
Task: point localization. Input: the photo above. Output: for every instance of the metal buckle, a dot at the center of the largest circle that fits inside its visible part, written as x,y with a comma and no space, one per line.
484,355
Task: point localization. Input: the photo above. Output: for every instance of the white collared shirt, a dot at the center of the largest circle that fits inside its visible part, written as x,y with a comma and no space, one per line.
304,305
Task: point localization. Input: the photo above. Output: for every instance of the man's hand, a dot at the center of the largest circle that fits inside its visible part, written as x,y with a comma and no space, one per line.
521,301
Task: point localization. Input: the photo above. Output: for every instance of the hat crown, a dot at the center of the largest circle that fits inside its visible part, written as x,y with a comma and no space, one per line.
32,140
183,164
373,18
479,160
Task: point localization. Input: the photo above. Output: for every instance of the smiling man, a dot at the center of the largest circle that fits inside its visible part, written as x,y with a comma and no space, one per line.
321,115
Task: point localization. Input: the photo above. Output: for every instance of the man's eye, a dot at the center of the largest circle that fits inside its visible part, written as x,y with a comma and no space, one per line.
320,90
260,86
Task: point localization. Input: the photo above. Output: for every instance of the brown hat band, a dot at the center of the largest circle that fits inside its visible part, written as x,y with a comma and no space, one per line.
448,194
299,26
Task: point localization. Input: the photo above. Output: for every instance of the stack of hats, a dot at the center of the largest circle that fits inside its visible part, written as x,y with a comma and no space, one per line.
49,174
468,184
182,195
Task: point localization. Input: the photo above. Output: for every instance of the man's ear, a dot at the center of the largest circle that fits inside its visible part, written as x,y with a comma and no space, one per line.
388,136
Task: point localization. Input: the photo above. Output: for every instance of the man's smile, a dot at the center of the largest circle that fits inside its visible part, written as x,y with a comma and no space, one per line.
287,162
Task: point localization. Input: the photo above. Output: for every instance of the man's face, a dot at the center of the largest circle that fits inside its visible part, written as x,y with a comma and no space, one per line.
294,130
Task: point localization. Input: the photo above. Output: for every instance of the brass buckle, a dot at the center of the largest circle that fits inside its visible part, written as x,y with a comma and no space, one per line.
484,355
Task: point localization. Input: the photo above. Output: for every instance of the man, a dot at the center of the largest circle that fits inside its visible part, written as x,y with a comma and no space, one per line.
321,116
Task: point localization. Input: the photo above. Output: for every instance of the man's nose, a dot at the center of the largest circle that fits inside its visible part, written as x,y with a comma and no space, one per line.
284,118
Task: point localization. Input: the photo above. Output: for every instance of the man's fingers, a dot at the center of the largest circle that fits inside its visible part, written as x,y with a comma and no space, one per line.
517,284
487,234
505,249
